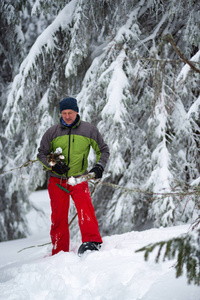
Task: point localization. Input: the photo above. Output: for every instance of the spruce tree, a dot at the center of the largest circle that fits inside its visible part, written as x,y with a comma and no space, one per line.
185,249
114,56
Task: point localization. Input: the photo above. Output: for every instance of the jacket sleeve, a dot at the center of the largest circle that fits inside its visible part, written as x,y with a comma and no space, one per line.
100,147
44,149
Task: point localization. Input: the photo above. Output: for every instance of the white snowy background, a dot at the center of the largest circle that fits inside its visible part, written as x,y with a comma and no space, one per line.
138,92
116,272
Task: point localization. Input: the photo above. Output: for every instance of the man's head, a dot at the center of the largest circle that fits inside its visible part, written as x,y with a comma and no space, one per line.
68,103
68,109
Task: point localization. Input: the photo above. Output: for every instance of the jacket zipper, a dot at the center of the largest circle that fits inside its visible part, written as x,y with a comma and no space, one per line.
68,151
83,161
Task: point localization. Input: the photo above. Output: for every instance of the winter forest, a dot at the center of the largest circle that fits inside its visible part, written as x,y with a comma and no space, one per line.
134,67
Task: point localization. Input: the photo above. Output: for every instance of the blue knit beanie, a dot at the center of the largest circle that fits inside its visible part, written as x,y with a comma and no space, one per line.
68,103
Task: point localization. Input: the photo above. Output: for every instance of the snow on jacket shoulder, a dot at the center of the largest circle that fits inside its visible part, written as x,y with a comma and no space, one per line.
75,143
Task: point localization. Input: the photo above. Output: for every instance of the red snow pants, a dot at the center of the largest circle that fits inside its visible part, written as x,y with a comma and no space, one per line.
60,201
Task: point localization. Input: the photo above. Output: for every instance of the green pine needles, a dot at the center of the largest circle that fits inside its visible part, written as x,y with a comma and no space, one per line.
186,249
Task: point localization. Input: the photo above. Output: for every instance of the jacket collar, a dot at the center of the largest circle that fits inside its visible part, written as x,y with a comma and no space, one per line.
75,124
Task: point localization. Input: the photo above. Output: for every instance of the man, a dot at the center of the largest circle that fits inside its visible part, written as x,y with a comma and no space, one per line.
74,137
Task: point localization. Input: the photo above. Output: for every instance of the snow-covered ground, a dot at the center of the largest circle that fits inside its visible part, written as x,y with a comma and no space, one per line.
116,272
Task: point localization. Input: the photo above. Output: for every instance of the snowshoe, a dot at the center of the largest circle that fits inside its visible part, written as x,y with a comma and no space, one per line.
92,246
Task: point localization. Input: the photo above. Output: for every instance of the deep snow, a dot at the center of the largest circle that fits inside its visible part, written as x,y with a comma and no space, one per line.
115,272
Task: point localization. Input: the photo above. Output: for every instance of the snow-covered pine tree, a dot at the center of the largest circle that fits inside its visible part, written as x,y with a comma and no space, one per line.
110,76
18,32
167,174
111,55
11,53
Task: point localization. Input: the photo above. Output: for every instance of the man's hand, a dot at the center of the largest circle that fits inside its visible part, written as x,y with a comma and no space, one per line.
98,170
60,168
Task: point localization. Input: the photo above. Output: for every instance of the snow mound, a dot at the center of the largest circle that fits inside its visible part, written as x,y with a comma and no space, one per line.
115,272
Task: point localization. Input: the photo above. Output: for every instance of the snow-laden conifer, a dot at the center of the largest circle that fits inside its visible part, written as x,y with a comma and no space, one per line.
129,82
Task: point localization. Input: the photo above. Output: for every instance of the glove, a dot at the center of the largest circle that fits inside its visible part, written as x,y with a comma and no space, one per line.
60,168
98,170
